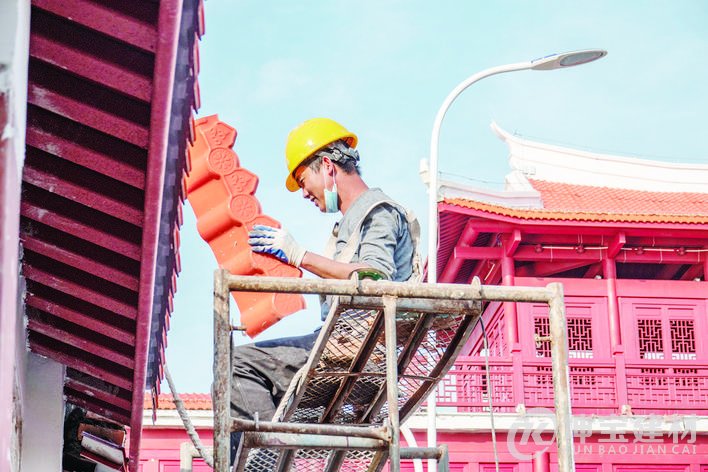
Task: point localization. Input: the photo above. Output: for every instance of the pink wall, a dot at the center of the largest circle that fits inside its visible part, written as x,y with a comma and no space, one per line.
14,52
159,449
473,452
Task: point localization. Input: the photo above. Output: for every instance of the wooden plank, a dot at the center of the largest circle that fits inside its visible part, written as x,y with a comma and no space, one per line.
99,17
81,365
90,233
88,115
79,291
91,68
81,343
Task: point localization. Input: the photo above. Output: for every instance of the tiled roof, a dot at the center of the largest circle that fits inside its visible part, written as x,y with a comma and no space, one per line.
192,401
568,202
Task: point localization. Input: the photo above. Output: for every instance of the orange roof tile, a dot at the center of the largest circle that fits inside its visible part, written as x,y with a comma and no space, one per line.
192,401
221,193
603,204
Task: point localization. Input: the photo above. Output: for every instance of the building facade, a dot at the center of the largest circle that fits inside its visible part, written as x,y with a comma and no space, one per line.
628,240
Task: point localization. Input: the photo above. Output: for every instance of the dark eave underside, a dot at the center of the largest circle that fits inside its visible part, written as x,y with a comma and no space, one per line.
92,166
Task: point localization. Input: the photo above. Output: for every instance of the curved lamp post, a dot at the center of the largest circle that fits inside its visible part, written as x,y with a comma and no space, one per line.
553,61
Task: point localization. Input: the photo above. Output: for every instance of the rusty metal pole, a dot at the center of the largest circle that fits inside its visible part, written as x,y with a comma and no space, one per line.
444,459
561,378
222,368
379,288
392,382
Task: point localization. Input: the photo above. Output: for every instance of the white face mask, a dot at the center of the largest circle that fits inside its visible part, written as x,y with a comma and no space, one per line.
330,196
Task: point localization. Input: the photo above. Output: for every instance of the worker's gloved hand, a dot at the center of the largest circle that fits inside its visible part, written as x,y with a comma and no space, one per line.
277,242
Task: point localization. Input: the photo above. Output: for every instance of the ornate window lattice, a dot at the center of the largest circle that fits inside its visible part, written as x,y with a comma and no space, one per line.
579,337
680,346
542,330
683,342
651,344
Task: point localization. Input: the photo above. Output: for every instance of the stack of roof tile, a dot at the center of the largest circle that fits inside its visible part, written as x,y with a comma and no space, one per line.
221,194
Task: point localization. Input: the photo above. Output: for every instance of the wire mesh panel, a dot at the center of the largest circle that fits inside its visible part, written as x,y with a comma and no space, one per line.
344,381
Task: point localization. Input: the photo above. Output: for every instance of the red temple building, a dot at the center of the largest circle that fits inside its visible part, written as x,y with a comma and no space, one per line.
628,239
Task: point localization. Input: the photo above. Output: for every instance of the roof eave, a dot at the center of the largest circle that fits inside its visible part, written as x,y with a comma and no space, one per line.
165,59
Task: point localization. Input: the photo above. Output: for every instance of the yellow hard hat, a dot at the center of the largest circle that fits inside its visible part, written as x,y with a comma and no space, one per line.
308,138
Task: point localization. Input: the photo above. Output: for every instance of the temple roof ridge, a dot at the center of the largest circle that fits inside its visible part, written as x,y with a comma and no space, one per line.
553,163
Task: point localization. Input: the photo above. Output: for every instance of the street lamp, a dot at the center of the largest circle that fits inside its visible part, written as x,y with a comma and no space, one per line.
550,62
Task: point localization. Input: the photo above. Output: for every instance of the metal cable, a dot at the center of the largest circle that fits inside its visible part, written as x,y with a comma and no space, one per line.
489,396
186,420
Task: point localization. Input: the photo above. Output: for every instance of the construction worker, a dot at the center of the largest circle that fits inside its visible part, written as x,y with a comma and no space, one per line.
375,234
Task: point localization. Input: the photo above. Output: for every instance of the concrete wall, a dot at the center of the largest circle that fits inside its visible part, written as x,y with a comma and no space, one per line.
43,419
14,53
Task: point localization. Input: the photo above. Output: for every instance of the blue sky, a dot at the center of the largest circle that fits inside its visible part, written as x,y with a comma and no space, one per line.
383,67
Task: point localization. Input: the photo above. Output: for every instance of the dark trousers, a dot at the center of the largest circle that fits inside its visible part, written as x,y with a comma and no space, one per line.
261,374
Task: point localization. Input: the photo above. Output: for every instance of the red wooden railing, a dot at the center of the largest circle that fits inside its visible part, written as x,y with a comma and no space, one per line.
596,387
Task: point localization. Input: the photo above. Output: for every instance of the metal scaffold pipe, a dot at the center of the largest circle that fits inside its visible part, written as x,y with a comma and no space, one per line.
379,288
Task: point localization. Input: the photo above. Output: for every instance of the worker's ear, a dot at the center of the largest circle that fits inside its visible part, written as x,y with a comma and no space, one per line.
328,165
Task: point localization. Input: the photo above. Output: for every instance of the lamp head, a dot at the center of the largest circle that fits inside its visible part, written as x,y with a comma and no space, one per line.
567,59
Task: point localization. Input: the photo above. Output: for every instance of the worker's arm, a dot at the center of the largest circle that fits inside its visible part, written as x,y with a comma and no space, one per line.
279,243
328,268
380,234
379,237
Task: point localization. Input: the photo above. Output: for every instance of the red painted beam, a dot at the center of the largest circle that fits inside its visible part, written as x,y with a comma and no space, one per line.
81,365
82,194
83,388
528,253
536,253
91,159
80,318
667,271
90,67
488,226
81,262
616,244
79,291
604,240
80,230
512,242
693,272
101,18
99,408
78,342
477,253
488,271
593,270
87,115
660,257
545,269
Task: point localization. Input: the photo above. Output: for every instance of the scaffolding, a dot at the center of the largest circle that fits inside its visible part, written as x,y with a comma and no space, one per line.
344,408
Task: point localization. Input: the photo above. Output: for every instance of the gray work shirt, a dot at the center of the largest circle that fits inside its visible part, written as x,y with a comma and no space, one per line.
385,241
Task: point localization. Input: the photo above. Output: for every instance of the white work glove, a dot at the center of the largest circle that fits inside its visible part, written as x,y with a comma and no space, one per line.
277,242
